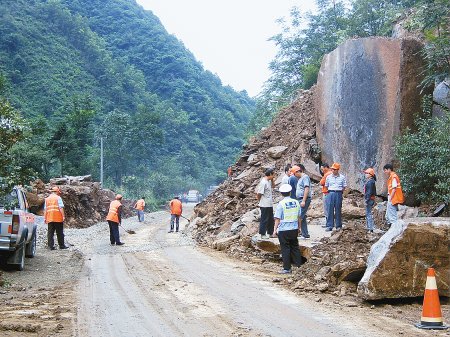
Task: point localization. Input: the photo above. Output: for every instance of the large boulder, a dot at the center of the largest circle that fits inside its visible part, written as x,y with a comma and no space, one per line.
367,93
397,264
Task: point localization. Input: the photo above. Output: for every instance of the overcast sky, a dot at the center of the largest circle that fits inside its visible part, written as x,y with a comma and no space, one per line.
229,37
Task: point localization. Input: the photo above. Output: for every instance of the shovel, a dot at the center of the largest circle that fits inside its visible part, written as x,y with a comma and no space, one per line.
186,218
129,231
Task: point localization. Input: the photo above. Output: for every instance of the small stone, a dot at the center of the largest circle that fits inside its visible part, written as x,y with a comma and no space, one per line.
276,280
318,299
372,307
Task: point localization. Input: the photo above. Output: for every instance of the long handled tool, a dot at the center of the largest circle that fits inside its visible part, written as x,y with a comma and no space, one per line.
129,231
186,218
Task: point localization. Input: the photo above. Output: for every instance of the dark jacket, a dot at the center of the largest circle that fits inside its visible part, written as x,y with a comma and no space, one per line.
293,180
370,190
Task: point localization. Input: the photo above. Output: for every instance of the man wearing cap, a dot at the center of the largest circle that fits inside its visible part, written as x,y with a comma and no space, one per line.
287,217
54,216
336,184
293,180
114,219
264,196
370,191
395,194
326,171
176,209
304,195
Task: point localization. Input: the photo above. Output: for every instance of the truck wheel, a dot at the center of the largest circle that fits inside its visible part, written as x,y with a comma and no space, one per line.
30,250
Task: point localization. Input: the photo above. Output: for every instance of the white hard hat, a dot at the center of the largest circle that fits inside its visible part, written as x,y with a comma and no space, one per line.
285,188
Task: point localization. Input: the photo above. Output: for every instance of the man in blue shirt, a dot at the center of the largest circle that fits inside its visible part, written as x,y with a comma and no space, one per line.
336,184
304,194
293,180
287,217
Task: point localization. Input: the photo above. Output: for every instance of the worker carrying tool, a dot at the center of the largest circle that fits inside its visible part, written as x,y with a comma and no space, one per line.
114,219
176,209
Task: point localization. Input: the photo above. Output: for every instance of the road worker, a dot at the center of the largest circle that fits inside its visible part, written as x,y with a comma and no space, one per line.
287,218
54,217
395,194
336,184
176,209
114,219
326,171
139,206
370,191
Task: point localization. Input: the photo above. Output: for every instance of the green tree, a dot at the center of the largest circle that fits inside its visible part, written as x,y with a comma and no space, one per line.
424,156
13,129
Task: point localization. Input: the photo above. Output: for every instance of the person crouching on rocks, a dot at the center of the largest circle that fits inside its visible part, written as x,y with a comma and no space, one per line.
114,218
287,218
370,191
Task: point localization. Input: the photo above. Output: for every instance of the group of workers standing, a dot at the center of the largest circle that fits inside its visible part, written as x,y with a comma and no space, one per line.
290,218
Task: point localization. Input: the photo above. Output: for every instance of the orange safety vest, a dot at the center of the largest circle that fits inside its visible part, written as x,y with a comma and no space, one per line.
323,180
140,204
398,196
52,212
176,207
113,214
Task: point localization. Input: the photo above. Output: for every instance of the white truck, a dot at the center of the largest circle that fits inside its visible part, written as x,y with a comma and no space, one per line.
18,229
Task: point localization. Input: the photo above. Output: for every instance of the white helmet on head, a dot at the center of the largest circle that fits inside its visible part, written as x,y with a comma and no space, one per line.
285,188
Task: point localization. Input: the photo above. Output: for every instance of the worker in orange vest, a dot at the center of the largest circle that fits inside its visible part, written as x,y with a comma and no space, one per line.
229,172
326,171
176,209
139,206
54,216
395,194
114,219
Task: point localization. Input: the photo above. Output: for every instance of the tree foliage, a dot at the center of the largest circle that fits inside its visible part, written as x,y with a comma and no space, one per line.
13,129
84,69
424,156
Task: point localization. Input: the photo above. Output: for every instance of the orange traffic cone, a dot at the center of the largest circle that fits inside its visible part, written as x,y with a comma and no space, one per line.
431,312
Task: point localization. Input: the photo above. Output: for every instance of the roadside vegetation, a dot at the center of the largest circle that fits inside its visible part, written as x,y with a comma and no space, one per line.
78,71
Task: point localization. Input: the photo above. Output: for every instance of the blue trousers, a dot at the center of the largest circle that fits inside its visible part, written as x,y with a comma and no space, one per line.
140,215
174,218
369,216
334,209
304,224
113,232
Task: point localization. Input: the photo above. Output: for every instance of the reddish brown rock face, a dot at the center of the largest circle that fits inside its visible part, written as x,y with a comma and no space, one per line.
366,95
398,262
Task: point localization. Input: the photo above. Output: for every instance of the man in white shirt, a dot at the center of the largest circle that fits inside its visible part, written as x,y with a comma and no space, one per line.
264,196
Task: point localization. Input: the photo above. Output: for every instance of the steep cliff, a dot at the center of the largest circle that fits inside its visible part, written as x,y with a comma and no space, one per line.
367,93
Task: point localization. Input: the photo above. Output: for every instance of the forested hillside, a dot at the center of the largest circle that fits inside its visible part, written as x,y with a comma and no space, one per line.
78,70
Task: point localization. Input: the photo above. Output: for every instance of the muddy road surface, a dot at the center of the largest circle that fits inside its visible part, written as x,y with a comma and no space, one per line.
162,284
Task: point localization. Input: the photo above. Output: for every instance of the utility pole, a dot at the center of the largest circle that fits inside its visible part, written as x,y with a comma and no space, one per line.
101,162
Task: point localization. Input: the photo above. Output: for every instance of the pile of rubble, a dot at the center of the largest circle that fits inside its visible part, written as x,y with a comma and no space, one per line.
228,219
85,202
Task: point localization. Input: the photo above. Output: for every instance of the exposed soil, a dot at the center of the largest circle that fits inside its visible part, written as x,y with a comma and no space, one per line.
162,283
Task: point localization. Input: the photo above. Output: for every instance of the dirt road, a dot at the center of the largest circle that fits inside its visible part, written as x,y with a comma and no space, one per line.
160,284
